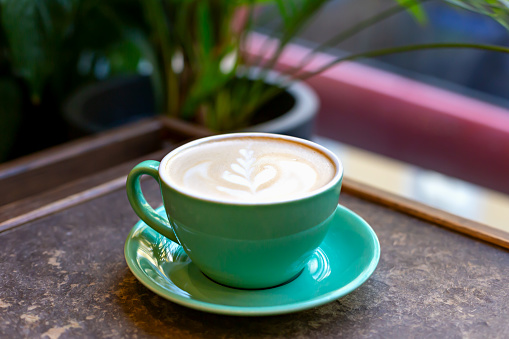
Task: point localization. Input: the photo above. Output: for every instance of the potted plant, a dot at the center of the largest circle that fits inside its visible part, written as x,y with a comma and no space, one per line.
201,72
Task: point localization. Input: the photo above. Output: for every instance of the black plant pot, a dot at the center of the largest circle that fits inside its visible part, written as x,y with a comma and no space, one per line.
109,104
115,102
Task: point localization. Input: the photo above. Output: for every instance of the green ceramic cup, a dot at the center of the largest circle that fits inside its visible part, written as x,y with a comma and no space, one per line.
248,245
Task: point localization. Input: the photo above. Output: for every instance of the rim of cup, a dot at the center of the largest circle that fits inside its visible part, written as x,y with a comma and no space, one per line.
338,175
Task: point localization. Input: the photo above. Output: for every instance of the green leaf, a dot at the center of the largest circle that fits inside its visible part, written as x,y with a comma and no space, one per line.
223,109
155,15
205,27
282,11
21,22
297,14
496,9
204,87
124,57
149,55
413,6
10,114
34,31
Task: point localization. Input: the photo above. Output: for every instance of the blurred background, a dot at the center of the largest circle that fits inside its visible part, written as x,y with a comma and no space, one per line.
50,50
476,73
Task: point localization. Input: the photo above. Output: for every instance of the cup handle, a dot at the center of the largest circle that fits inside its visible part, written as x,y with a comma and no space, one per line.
140,205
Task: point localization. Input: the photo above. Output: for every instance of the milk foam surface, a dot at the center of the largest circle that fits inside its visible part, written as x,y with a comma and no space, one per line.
250,169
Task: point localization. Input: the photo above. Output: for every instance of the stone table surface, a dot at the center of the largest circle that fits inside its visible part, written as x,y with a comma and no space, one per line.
64,276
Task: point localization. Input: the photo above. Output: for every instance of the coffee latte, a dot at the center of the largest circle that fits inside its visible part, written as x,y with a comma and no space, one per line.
250,169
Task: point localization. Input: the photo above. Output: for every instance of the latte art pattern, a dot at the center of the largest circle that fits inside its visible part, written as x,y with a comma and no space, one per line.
252,170
243,174
278,177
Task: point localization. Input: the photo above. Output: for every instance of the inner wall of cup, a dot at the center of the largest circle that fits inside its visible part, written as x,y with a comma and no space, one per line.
163,174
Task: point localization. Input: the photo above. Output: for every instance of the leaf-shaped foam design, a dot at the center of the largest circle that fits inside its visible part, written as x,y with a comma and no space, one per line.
236,179
243,171
240,170
246,162
246,153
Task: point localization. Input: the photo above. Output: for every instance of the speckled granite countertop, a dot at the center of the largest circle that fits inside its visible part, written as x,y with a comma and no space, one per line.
64,276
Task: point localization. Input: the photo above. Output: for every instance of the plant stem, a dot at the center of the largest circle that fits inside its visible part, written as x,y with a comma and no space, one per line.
401,49
350,32
274,91
155,14
264,48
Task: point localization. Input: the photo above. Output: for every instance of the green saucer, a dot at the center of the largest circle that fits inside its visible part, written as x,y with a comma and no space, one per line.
345,259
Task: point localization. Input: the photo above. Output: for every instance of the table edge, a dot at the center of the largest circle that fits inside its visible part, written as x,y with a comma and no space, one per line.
427,213
350,186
